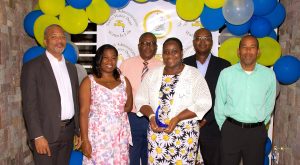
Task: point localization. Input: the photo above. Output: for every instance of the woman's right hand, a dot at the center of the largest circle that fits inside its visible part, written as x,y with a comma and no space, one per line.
154,126
86,149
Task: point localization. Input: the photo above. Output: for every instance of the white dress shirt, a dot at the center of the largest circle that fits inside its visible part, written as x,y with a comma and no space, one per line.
64,86
203,67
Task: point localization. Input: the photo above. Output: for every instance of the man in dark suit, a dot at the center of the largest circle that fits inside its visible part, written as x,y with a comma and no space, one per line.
49,87
210,67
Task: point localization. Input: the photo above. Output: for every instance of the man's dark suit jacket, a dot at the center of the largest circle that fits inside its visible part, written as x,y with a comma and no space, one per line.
41,98
215,66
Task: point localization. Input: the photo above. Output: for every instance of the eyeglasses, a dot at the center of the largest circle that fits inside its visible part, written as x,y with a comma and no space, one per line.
202,38
151,43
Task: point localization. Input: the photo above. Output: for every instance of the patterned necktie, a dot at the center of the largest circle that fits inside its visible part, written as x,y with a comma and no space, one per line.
145,69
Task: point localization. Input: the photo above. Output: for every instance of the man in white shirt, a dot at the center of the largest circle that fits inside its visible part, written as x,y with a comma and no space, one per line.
49,87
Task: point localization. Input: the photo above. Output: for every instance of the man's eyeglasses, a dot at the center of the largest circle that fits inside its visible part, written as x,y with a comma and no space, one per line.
151,43
202,38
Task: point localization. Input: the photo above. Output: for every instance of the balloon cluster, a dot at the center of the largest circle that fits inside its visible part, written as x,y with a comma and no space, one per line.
72,15
240,16
270,50
286,68
258,17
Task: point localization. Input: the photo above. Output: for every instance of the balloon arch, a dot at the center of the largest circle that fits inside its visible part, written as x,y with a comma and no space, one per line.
240,17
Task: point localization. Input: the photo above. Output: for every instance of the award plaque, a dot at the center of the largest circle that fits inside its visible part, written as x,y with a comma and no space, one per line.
158,122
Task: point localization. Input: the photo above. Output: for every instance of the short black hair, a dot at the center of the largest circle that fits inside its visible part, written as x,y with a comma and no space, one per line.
147,33
98,59
203,29
249,36
50,26
174,39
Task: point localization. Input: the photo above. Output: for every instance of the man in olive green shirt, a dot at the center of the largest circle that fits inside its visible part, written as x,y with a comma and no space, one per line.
245,98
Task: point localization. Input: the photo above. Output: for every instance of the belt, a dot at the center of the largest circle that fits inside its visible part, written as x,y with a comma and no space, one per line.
244,125
64,123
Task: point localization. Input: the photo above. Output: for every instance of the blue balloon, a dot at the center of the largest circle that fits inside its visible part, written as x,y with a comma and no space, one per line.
266,160
173,2
79,4
32,53
238,30
76,158
260,27
212,19
263,7
29,20
70,53
268,146
119,4
277,16
273,35
287,69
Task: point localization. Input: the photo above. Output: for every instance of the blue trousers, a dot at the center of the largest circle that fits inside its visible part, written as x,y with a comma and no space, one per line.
139,150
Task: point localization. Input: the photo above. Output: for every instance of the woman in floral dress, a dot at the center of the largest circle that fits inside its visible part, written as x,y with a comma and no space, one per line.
105,97
173,97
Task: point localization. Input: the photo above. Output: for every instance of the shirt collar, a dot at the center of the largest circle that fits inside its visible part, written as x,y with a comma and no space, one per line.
52,58
255,68
149,61
206,61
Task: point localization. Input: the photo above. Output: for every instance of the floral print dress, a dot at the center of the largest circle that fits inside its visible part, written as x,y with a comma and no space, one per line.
180,146
108,126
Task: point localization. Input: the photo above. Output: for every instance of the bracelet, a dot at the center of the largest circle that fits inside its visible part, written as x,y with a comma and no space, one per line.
38,137
150,116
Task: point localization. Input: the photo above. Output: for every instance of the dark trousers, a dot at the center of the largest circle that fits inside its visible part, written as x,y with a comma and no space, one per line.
209,141
245,143
210,150
139,150
60,149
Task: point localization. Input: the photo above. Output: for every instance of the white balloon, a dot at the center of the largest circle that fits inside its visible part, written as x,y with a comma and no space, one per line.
238,12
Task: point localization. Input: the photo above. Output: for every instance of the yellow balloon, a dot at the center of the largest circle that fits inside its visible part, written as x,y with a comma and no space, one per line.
40,25
141,1
270,51
214,4
74,21
52,7
228,50
98,11
189,10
